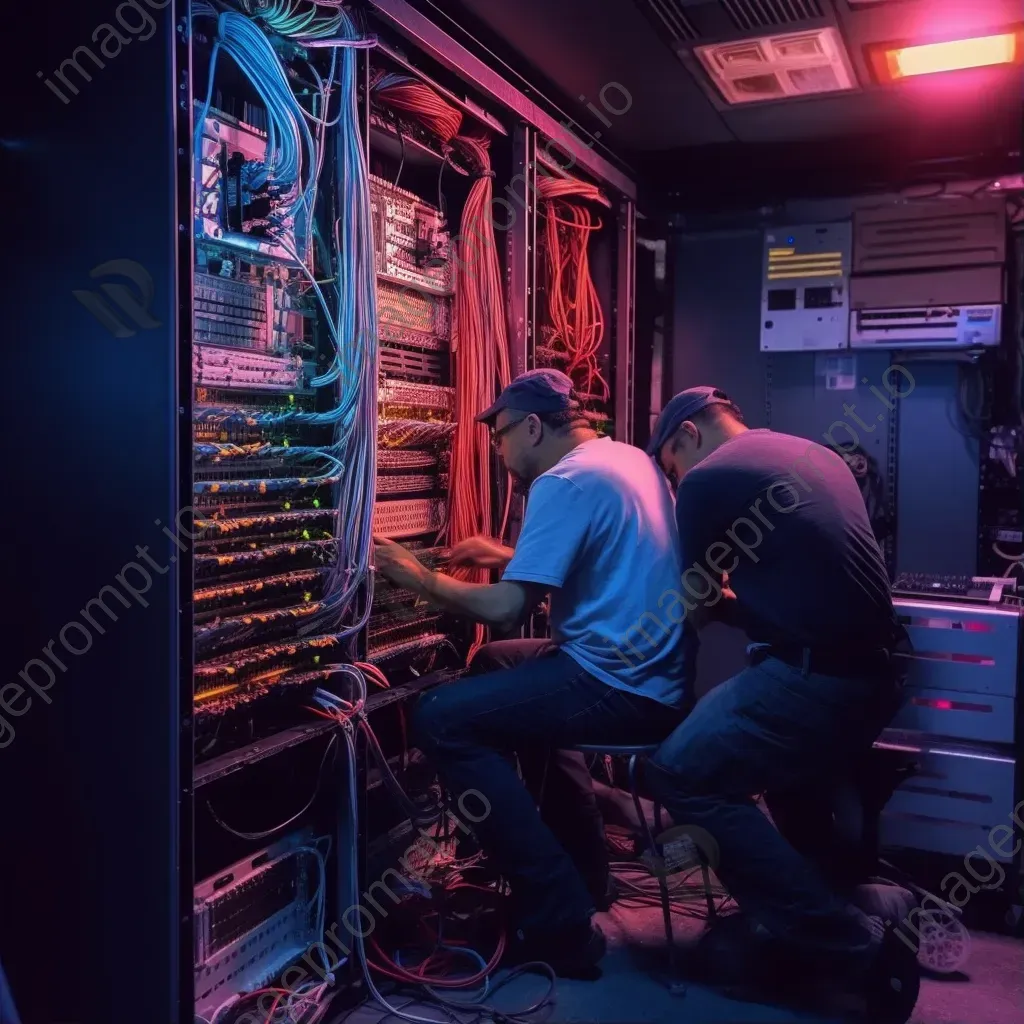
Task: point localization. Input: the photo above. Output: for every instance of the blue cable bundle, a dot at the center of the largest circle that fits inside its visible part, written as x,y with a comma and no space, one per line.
353,322
290,145
355,365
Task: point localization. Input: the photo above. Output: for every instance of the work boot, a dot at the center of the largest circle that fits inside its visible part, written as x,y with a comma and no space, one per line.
893,982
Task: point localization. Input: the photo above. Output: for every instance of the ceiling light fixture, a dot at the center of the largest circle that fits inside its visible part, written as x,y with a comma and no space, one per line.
894,62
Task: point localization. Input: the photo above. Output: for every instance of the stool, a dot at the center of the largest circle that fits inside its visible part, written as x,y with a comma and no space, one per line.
636,754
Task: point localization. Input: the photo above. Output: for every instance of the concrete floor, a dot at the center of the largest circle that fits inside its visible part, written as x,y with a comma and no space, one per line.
990,990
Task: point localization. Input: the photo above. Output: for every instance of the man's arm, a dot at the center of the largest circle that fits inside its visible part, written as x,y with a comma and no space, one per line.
481,552
705,562
503,606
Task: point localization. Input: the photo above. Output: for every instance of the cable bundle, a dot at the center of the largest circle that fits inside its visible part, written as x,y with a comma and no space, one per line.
576,321
355,364
290,145
480,353
286,18
423,103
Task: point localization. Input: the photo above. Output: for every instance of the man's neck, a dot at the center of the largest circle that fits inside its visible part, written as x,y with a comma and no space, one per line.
721,433
561,446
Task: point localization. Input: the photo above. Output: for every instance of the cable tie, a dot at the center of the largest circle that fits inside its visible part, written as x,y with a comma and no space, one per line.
486,174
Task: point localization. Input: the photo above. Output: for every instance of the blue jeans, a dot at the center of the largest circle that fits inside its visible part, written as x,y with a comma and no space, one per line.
531,700
772,727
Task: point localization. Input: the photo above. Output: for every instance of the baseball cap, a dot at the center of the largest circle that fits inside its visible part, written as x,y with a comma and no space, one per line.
683,407
543,390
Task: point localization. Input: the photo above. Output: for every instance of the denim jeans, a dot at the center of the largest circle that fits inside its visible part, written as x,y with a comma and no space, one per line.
773,727
533,699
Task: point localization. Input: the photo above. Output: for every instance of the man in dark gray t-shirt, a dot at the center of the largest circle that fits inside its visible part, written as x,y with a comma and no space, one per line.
775,539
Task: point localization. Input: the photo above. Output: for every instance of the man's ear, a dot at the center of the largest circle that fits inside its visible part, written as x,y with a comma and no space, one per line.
535,428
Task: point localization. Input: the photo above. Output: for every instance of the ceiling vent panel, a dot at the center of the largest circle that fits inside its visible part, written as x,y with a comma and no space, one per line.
757,15
671,17
779,67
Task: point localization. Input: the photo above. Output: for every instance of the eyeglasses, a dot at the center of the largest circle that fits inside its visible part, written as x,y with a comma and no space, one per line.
499,434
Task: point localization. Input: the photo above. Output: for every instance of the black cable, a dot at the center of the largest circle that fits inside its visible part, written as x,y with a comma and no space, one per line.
440,197
401,142
295,817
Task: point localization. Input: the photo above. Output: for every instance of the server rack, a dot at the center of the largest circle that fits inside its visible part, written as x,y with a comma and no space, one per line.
107,751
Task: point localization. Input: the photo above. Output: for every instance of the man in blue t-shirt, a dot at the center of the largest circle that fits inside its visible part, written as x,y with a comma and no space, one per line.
775,539
599,537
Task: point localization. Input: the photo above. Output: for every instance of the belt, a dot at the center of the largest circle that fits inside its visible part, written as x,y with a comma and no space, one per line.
839,664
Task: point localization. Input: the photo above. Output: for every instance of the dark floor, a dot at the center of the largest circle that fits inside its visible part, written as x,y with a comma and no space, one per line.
990,989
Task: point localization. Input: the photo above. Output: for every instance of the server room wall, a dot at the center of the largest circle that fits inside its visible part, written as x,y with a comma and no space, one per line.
714,338
86,876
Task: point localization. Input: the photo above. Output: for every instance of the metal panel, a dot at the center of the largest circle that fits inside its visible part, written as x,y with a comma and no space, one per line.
93,762
953,804
444,49
975,717
937,503
917,236
715,320
964,648
625,327
962,286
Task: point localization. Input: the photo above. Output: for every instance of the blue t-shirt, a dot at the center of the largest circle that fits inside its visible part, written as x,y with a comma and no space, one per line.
784,517
600,531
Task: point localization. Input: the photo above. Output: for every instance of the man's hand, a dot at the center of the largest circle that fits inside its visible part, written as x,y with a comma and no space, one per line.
398,564
480,553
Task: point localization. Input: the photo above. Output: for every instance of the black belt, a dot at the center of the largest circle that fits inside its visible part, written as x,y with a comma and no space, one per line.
840,664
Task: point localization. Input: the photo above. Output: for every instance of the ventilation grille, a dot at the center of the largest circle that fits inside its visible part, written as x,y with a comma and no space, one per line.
669,16
752,15
778,67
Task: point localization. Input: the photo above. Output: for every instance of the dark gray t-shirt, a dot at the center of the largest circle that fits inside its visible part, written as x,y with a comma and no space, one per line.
785,519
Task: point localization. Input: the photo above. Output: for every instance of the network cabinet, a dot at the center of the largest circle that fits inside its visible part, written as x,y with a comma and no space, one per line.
247,427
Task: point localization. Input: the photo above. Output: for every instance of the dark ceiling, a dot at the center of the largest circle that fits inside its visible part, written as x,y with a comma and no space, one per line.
676,121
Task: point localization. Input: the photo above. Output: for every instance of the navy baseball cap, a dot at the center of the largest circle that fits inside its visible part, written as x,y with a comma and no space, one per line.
543,390
683,407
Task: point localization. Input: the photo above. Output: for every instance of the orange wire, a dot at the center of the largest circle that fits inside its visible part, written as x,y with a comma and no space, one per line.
576,320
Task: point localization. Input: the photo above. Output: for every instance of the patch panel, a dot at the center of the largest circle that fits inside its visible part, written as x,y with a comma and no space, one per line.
217,367
389,652
244,528
418,365
228,213
252,919
300,553
262,664
411,245
408,483
409,433
408,517
231,313
397,458
400,394
392,629
245,595
409,317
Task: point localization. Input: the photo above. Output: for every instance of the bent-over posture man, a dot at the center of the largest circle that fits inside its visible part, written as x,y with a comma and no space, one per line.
775,539
599,537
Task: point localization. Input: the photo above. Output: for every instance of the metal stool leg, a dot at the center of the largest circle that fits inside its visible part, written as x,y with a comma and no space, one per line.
708,897
652,846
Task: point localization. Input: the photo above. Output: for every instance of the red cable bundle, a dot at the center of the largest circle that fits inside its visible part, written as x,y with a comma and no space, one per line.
426,105
480,352
479,337
577,323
